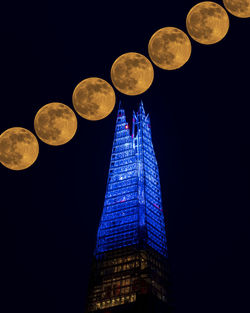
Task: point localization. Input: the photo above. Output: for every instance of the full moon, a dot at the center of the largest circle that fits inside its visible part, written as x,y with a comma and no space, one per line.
207,22
169,48
132,73
55,123
94,98
239,8
18,148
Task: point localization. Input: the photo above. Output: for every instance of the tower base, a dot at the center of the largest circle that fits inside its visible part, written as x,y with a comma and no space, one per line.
129,279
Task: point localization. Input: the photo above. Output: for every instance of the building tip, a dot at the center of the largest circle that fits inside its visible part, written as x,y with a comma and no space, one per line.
141,107
120,105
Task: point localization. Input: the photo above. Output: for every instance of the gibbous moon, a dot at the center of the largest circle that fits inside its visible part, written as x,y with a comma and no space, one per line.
18,148
93,98
169,48
239,8
207,22
132,73
55,123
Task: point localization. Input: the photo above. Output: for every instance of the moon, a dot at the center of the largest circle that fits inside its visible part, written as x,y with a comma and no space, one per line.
239,8
93,98
169,48
132,73
207,22
55,123
18,148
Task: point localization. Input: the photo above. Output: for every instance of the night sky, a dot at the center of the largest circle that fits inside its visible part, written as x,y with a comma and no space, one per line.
200,128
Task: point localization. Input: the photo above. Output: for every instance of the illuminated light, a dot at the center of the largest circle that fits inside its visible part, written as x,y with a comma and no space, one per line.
132,198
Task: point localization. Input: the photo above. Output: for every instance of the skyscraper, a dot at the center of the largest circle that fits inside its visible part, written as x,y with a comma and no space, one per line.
130,270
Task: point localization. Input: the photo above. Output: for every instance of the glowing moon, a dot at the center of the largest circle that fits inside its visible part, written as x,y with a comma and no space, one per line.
18,148
207,22
55,123
169,48
132,73
93,98
239,8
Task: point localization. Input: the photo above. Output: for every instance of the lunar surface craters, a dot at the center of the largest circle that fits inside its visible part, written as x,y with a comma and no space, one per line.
18,148
207,22
132,73
169,48
55,123
240,8
94,98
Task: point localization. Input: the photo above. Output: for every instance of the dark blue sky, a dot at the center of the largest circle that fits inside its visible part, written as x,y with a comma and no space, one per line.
200,128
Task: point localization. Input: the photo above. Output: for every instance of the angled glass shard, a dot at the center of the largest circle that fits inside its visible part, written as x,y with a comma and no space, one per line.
130,269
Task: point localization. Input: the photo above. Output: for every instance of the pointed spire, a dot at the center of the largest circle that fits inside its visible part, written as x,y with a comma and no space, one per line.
121,111
120,105
121,118
141,111
133,124
141,108
134,116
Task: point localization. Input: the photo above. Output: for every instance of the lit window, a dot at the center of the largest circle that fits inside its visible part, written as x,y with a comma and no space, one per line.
133,297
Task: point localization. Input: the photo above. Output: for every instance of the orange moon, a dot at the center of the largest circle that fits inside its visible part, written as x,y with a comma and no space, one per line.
132,73
207,22
94,98
18,148
239,8
55,123
169,48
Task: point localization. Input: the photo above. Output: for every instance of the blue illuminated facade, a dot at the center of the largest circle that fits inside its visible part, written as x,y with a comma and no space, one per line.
132,212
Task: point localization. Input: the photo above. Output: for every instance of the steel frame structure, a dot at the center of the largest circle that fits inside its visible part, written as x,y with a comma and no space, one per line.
129,269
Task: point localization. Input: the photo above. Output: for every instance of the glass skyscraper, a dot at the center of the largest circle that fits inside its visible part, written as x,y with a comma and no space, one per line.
130,271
